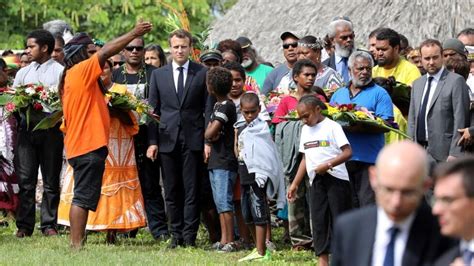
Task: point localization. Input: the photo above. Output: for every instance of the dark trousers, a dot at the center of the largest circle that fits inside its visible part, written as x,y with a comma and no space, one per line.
149,175
43,148
362,192
330,196
181,170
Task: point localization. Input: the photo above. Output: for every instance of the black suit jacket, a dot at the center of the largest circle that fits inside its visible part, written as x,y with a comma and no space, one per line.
448,257
354,237
186,115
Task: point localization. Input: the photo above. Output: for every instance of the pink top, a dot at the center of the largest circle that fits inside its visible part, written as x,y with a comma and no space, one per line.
288,104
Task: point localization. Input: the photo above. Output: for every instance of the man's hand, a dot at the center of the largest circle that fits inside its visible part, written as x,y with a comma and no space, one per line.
152,152
291,194
466,137
141,28
207,152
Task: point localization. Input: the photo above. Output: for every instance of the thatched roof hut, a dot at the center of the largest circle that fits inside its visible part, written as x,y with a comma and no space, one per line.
264,20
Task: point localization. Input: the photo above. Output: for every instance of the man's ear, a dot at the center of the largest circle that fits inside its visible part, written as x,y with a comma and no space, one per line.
44,48
373,177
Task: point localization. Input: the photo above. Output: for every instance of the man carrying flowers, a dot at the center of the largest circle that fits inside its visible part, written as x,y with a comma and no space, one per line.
37,149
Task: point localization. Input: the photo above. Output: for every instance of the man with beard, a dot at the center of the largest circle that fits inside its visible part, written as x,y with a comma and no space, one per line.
363,92
390,63
253,69
275,79
136,75
439,106
342,35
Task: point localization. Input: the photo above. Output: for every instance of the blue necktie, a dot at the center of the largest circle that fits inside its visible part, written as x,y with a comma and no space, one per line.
345,70
421,124
389,259
180,88
467,257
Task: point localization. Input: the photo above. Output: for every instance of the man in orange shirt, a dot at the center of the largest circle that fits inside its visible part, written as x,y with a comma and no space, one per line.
86,122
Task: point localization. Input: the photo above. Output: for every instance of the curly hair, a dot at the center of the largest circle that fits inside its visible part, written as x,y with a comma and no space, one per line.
219,81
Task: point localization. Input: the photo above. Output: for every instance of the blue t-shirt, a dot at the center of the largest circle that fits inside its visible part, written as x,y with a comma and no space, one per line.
366,147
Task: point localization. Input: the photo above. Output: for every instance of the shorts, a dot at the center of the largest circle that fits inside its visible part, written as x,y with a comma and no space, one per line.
88,172
254,204
222,184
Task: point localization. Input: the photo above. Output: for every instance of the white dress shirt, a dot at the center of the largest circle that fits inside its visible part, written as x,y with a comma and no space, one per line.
176,73
469,245
49,73
382,238
434,85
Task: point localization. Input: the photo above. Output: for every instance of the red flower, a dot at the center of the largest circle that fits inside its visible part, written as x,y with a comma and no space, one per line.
39,88
3,90
37,106
10,107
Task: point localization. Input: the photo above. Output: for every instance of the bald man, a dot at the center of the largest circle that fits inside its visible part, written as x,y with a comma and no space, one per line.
400,229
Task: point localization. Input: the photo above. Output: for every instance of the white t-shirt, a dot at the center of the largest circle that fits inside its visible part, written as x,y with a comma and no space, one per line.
323,142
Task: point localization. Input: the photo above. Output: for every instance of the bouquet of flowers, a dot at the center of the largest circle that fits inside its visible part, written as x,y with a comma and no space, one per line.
117,98
358,119
31,100
272,100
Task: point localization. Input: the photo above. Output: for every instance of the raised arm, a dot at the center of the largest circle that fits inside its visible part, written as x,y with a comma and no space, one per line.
115,46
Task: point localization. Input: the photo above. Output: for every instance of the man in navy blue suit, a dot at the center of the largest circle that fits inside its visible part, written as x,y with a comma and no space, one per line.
178,95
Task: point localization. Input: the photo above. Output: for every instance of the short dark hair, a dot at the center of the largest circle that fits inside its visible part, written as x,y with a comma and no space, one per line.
464,167
43,37
387,34
431,42
180,33
235,67
232,45
250,98
466,31
8,52
459,66
59,37
300,64
220,80
313,101
374,33
404,43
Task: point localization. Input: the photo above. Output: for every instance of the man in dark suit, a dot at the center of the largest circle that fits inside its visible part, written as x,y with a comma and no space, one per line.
454,206
178,95
439,106
400,230
342,35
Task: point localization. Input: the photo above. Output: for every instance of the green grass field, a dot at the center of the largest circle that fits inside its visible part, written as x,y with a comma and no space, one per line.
39,250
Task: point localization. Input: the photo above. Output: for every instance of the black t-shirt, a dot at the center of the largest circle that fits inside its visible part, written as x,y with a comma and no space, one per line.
246,178
138,84
222,150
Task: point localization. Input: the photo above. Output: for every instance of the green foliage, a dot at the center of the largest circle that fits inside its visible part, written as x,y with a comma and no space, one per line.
105,19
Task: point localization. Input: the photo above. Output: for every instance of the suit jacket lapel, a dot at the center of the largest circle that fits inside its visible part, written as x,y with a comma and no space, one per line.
438,89
189,80
417,237
419,95
171,85
367,238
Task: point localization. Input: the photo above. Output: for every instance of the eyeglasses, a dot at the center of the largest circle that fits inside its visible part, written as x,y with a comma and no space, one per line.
131,48
287,45
344,38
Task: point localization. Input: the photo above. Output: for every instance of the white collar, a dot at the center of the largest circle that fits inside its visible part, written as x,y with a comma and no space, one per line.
37,65
436,76
385,224
467,245
185,66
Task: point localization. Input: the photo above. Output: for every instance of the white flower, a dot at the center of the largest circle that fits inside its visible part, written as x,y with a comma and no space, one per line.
53,89
30,91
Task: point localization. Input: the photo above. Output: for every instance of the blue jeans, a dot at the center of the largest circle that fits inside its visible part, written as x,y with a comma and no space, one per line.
222,184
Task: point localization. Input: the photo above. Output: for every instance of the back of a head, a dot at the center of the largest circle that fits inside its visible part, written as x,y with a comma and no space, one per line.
219,79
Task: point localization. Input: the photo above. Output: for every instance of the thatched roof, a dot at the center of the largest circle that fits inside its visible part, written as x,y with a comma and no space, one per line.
264,20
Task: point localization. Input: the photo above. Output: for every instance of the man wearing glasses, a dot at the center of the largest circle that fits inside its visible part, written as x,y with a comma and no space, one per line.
400,229
136,75
276,78
454,206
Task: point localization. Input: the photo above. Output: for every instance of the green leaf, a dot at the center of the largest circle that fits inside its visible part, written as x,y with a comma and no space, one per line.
5,98
28,113
49,121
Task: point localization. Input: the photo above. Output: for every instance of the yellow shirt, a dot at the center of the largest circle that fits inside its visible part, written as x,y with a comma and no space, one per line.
405,72
391,137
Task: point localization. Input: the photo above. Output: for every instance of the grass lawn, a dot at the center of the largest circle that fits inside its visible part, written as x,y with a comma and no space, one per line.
39,250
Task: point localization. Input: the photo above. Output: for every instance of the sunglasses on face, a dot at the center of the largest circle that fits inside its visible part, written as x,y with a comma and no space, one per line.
118,63
131,48
287,45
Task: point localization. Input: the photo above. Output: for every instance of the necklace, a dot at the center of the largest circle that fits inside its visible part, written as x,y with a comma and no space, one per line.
141,75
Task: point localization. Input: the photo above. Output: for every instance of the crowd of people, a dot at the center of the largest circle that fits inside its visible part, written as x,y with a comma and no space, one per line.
241,143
